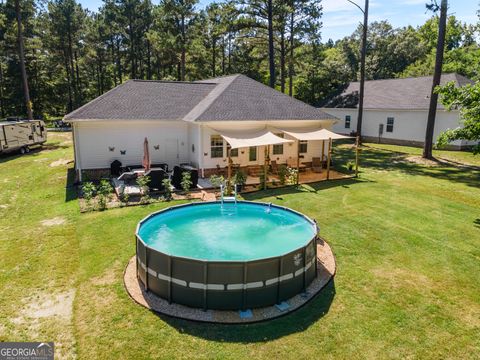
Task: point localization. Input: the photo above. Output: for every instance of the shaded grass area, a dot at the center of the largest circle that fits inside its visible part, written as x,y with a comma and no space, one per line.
459,157
406,239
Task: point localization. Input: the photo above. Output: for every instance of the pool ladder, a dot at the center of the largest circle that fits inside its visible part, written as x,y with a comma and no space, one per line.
228,198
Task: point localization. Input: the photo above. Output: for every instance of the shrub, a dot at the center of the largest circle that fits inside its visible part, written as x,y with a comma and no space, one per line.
88,190
217,180
186,182
124,197
292,175
282,174
104,191
142,182
167,193
263,184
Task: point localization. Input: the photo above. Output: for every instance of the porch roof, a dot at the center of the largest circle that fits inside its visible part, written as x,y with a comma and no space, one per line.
314,134
241,139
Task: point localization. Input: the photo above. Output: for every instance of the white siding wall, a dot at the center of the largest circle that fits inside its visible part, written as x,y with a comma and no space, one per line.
408,125
93,140
314,148
175,140
194,148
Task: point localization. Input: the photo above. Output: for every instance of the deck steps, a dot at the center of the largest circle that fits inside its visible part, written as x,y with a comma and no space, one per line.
255,171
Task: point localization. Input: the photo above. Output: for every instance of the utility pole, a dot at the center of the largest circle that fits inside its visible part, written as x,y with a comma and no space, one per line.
271,55
362,66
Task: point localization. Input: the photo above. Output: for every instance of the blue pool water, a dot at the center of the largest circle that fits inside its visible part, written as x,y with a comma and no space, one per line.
240,232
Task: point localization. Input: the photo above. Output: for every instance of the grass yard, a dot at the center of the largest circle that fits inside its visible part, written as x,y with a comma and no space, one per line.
406,239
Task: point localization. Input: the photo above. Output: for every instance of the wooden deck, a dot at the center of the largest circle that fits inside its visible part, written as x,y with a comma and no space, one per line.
306,177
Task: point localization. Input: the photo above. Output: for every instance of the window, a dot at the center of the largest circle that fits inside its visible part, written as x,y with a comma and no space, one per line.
233,152
303,146
252,153
347,121
216,146
390,121
278,149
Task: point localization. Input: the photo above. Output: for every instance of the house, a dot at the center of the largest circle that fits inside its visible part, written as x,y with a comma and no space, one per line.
395,110
188,122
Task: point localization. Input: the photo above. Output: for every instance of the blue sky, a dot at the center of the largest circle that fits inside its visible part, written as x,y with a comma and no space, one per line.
340,18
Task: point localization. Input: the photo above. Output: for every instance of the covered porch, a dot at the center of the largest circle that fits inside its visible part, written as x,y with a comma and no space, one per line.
270,142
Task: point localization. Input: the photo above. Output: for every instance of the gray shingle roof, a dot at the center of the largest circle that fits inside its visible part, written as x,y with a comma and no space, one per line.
229,98
403,94
144,100
243,98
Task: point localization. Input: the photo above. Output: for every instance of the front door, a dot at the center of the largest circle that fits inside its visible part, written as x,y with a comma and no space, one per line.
252,154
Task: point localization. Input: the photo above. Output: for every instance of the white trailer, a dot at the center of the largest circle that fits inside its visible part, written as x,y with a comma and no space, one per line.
21,135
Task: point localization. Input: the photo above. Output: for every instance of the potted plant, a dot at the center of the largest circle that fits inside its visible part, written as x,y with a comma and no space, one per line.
239,179
350,165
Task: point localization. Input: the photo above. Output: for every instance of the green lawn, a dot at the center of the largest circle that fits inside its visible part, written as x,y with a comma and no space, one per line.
406,238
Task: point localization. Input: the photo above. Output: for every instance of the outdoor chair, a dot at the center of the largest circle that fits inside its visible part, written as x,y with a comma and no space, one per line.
129,178
163,166
274,167
131,168
115,168
177,176
316,165
156,178
292,163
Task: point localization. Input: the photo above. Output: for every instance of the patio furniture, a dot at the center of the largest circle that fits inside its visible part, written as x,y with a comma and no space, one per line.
128,178
177,176
292,163
163,166
115,168
157,176
274,167
122,188
325,161
131,168
316,165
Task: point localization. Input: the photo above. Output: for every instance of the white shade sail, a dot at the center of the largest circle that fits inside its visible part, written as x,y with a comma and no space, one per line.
239,139
315,134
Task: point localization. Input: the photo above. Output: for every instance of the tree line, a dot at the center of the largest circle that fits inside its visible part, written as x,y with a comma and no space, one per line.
73,55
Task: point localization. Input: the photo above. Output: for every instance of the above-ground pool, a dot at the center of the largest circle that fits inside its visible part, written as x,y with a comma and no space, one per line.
226,256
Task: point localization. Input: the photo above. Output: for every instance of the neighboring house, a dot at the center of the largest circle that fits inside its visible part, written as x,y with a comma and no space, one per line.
183,122
395,110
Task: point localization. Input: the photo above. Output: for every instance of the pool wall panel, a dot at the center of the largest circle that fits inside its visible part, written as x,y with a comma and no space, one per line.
141,260
225,273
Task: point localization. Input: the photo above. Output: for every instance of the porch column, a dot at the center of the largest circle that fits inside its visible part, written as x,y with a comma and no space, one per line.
357,142
298,161
265,166
229,171
323,151
329,155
